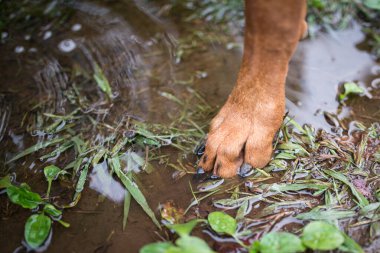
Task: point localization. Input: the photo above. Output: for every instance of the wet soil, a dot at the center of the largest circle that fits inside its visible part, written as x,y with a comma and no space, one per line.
135,46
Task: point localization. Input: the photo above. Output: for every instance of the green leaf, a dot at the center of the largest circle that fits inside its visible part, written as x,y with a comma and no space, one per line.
51,210
192,244
281,242
82,178
185,228
293,147
5,182
350,88
127,205
36,147
349,245
372,4
222,223
23,196
52,172
298,187
255,247
133,189
319,235
102,81
158,247
339,176
316,214
37,229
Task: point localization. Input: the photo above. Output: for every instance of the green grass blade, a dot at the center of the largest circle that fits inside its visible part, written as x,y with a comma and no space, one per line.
133,189
35,148
127,204
326,215
339,176
102,81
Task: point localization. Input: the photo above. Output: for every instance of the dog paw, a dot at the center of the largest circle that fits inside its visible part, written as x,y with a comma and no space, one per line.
242,134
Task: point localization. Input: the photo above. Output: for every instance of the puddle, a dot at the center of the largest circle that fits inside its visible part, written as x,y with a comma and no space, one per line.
139,52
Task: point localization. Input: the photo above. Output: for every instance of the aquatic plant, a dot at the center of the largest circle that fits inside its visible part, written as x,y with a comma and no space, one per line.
317,235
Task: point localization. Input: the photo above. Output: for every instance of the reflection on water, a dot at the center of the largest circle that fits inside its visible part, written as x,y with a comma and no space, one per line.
317,69
143,54
102,182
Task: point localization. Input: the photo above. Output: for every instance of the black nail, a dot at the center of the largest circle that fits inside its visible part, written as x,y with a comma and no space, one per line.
214,177
200,171
245,170
200,149
200,175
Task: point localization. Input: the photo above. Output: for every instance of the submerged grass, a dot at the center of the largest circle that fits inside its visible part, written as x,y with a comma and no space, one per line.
315,176
90,138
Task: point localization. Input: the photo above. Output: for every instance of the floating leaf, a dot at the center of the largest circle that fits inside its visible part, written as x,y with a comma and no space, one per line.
319,235
37,229
23,196
210,185
298,187
281,242
222,223
102,81
36,147
350,88
326,215
82,178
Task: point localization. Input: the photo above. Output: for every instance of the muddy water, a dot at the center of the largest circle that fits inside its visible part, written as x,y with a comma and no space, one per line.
136,44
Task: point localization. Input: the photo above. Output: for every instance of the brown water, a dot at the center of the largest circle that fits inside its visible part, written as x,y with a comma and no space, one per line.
135,45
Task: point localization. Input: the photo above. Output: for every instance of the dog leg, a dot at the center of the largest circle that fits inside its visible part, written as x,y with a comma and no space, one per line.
243,130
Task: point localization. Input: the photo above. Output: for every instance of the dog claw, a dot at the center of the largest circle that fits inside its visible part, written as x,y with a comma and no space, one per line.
200,171
245,170
200,148
214,177
200,175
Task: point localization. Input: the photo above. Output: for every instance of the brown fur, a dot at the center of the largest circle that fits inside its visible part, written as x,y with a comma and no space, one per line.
244,128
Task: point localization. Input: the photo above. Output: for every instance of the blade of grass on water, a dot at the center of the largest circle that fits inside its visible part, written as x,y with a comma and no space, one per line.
133,189
35,148
298,187
326,215
82,179
102,81
127,204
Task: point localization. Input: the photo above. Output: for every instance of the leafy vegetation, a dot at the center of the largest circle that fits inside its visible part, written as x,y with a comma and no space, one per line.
317,235
335,172
38,225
